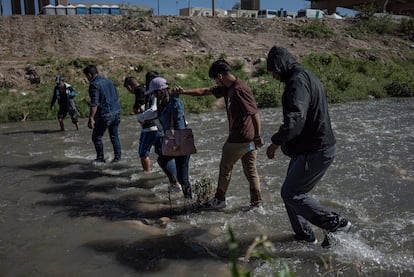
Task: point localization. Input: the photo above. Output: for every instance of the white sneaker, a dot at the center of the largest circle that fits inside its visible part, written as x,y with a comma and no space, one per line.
98,162
175,187
214,203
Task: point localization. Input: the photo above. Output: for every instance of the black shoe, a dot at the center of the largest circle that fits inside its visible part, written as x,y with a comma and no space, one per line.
115,160
187,193
343,226
311,239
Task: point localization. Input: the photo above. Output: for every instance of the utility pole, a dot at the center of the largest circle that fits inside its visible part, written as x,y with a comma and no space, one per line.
213,7
158,7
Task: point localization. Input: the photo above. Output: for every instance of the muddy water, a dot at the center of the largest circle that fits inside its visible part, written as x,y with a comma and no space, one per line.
59,216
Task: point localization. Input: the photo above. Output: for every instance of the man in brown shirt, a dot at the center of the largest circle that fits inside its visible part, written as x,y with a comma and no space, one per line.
244,131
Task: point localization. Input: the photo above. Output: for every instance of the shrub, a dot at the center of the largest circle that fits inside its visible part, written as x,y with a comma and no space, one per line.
314,29
347,79
267,93
368,22
81,62
399,89
406,28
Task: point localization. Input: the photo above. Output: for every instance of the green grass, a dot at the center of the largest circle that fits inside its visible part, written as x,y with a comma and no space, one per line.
313,29
361,76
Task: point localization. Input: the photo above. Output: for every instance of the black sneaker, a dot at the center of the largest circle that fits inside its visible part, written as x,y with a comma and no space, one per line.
115,160
343,226
311,240
187,193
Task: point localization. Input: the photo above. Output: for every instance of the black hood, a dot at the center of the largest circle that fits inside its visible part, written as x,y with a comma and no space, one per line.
280,61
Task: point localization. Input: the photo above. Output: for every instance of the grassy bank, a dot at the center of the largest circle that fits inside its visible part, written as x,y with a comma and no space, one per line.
346,79
357,74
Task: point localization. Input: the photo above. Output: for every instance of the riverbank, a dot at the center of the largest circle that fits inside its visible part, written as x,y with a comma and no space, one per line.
355,58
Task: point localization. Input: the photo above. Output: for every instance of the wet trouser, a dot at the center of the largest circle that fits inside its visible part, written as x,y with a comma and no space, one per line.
231,153
101,124
303,173
176,169
69,108
167,165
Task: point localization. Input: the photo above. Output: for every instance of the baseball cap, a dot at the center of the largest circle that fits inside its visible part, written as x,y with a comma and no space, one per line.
156,84
58,79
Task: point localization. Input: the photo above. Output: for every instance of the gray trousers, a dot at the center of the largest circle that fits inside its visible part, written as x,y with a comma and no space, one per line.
303,173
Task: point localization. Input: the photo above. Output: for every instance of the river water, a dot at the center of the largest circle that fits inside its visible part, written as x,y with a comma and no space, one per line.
59,216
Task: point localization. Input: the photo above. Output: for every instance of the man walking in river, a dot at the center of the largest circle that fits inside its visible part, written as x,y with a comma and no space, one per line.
105,113
244,131
307,138
65,94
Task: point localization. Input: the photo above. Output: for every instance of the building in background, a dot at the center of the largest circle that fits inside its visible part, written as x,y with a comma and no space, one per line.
405,7
61,2
199,11
250,5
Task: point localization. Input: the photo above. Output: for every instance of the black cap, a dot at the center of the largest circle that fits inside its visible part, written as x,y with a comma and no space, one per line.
219,66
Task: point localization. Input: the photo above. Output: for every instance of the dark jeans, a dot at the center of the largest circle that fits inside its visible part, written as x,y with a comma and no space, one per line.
303,173
180,163
101,124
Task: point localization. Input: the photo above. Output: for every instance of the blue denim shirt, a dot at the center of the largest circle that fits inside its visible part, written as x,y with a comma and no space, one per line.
173,113
104,96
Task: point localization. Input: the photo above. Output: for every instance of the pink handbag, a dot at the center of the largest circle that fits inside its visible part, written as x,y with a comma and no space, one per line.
178,143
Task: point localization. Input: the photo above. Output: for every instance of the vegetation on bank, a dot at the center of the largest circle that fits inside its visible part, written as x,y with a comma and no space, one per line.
350,76
345,78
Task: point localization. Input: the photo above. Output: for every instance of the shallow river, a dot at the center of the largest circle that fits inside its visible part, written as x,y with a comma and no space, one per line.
59,216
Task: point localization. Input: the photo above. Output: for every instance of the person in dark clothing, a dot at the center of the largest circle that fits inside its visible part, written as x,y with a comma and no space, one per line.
64,94
105,113
149,131
134,87
150,135
305,136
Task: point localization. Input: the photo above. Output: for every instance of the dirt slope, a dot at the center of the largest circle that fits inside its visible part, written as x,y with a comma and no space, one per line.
26,41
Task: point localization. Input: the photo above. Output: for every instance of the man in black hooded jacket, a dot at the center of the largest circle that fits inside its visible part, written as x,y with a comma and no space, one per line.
307,138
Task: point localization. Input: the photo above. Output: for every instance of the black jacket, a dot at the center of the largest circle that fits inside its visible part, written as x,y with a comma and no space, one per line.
306,123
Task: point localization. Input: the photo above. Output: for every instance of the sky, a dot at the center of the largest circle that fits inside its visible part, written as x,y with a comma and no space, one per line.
171,7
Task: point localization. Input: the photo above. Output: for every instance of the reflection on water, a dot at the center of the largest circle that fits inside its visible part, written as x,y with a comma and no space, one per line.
61,217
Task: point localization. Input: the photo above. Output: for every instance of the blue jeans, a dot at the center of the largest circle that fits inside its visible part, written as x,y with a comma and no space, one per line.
101,124
304,172
181,165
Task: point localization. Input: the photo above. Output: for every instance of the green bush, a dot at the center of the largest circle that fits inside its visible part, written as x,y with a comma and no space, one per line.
81,63
267,93
399,89
349,79
368,22
314,29
345,79
406,28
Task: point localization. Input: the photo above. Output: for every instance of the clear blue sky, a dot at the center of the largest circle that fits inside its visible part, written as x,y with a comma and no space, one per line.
171,7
